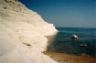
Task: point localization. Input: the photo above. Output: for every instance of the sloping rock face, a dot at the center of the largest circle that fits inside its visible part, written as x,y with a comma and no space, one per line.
23,34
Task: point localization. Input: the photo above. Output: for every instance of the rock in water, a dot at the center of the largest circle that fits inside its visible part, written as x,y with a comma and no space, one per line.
74,37
23,34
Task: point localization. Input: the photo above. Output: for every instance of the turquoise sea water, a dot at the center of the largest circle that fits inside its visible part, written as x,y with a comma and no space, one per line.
64,43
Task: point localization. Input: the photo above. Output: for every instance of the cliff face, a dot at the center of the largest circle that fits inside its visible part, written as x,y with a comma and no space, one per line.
23,34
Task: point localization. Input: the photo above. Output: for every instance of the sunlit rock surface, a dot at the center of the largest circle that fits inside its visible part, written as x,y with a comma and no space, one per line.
23,34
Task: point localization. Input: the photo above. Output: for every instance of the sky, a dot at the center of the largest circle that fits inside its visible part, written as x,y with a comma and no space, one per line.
65,13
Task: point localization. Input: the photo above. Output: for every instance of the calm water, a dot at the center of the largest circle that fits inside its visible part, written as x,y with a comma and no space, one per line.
64,43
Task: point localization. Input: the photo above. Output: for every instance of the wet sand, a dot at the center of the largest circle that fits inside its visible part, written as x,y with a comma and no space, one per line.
70,58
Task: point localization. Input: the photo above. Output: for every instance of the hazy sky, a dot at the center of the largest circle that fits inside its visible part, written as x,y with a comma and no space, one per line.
65,13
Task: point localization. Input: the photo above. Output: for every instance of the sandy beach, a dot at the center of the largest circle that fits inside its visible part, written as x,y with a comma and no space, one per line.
70,58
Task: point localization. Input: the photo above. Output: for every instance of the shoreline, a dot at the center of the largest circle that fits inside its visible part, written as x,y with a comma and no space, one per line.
70,58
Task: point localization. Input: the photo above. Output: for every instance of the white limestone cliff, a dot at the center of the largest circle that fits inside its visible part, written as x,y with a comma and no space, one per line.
23,34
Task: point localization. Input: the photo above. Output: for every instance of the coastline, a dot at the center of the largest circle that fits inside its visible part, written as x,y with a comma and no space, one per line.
70,58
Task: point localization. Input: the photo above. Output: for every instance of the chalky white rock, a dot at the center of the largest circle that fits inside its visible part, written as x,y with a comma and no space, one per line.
23,34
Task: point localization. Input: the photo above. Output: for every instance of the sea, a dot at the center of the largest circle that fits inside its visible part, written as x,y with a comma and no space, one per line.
85,44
